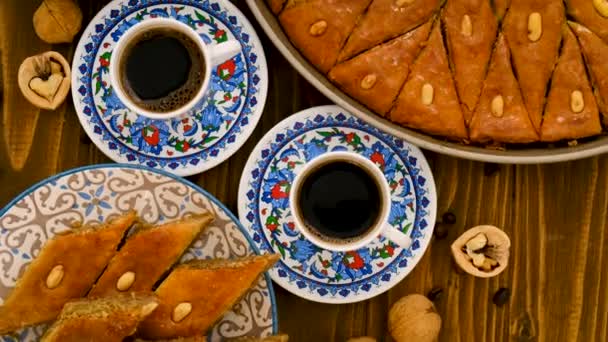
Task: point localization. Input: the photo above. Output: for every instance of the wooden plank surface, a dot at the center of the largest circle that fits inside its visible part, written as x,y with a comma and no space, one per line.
554,214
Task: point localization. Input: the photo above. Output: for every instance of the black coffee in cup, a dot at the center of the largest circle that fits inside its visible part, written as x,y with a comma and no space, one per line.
340,201
161,69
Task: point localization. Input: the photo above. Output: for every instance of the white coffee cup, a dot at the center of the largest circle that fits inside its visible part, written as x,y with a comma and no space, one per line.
212,55
381,227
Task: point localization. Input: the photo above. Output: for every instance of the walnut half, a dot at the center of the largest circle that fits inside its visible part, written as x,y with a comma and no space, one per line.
44,79
482,251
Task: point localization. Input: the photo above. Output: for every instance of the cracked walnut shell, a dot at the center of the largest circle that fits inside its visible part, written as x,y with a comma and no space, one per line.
57,21
482,251
44,79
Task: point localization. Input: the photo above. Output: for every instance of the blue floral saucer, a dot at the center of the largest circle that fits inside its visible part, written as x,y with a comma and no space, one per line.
311,272
186,146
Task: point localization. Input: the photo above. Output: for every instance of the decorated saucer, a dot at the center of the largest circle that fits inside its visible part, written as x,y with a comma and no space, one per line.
95,193
187,146
305,269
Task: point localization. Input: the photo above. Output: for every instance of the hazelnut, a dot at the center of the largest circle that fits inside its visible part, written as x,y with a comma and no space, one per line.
414,318
44,79
482,251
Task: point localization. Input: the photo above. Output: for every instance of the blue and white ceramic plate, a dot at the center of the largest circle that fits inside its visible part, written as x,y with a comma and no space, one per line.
181,146
95,193
306,270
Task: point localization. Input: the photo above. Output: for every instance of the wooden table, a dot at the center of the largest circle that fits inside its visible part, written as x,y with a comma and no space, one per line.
554,214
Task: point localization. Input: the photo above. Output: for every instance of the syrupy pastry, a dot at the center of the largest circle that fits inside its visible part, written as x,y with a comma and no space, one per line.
276,5
591,13
277,338
198,338
386,19
595,51
108,319
319,28
501,115
148,254
428,100
571,110
66,268
500,7
376,76
533,30
197,294
471,31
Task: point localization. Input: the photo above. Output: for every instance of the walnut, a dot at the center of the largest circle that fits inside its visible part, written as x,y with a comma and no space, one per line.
44,79
57,21
414,318
482,251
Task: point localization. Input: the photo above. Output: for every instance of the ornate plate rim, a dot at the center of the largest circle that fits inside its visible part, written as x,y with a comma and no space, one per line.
188,169
242,210
32,188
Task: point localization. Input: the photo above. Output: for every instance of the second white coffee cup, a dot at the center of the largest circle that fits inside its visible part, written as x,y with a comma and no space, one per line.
381,227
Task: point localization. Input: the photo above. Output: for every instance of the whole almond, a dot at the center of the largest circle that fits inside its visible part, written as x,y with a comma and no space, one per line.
181,311
601,6
148,308
368,81
53,279
466,26
535,26
427,94
125,281
401,3
498,105
318,28
577,101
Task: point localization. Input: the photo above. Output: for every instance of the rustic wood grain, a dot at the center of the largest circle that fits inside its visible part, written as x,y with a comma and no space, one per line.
556,215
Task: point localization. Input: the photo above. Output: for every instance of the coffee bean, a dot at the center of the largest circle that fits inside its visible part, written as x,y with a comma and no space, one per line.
448,218
501,297
440,231
490,169
435,294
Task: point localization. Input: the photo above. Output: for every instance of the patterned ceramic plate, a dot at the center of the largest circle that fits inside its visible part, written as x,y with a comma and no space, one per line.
95,193
306,270
187,146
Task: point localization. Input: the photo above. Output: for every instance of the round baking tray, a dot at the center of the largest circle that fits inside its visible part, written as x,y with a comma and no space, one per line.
522,155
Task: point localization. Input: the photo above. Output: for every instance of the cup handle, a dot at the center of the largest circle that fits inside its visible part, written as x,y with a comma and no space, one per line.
403,240
221,52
